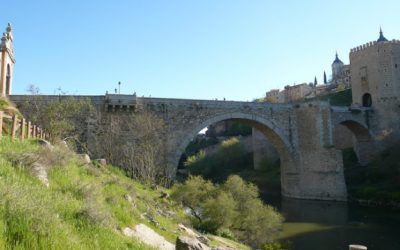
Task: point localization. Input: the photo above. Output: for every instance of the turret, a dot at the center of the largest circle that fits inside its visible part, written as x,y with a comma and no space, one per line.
381,37
337,67
7,61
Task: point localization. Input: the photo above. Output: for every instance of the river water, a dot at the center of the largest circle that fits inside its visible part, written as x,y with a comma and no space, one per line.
324,225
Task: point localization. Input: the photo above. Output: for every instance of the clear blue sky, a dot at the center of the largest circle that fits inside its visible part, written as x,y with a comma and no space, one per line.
203,49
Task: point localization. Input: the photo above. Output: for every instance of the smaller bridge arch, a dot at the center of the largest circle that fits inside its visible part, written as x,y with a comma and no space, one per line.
363,142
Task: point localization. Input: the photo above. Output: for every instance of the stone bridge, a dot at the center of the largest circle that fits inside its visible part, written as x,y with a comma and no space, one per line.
311,166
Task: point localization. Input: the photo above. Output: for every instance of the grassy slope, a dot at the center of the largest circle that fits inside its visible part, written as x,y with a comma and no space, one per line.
85,206
76,212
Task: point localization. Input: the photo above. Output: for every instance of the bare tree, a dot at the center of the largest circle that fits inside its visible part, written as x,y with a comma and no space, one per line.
135,143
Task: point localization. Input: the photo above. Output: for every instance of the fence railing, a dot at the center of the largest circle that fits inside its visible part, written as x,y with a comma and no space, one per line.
20,128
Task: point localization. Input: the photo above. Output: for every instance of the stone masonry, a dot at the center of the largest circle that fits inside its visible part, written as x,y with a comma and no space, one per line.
302,134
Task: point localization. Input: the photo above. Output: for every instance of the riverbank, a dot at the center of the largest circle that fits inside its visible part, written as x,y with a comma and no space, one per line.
378,183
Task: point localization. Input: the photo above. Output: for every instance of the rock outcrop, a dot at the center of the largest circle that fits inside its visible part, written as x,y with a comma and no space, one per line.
190,243
146,235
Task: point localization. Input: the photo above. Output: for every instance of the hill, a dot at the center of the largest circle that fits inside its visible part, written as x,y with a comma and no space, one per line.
52,198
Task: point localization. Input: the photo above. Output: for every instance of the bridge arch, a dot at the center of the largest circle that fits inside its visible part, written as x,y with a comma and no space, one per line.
362,140
275,134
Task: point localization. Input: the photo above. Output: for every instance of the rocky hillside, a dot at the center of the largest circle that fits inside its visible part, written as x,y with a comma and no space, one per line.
52,198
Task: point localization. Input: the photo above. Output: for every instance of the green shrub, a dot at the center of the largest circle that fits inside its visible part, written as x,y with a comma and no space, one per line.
233,206
277,246
226,233
230,158
198,144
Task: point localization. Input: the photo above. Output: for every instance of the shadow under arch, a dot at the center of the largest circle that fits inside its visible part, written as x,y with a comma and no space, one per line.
363,143
270,130
360,131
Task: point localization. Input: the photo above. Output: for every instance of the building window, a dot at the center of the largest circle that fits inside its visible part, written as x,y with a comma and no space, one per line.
395,65
367,100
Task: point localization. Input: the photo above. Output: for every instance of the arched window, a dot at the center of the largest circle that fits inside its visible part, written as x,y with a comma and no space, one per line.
8,80
367,100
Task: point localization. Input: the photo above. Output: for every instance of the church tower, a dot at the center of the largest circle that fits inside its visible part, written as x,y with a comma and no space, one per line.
7,61
337,68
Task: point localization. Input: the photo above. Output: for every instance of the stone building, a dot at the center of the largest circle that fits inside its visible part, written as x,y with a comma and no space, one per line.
340,73
375,70
272,96
289,94
297,92
375,80
7,61
337,67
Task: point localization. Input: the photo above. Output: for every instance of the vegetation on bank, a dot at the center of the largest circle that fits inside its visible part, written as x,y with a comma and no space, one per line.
230,158
379,181
228,192
232,209
341,98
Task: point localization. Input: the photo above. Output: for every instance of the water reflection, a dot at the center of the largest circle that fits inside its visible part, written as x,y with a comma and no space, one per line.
330,213
335,225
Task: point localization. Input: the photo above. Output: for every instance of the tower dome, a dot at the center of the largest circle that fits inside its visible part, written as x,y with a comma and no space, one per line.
381,37
337,60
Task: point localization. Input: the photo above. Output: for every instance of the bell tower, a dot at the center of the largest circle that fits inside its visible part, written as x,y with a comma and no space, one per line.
7,62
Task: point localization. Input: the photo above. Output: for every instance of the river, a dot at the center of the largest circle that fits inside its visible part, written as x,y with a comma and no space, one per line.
324,225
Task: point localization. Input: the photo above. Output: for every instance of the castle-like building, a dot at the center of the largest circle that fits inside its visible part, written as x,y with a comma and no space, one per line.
7,61
375,72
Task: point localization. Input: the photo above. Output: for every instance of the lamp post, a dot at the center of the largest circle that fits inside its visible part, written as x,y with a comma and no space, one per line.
119,88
